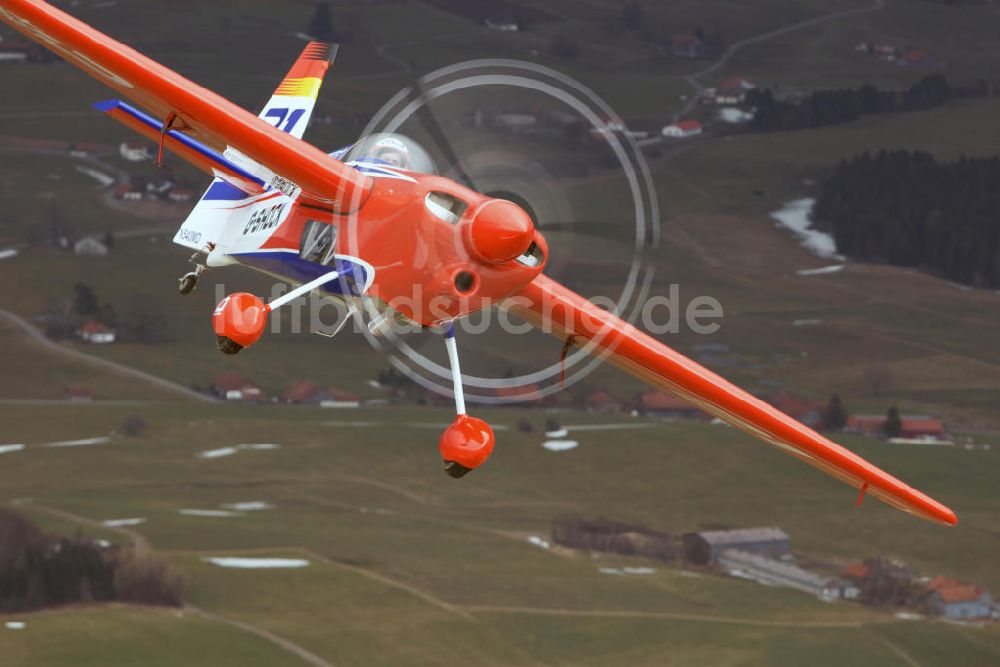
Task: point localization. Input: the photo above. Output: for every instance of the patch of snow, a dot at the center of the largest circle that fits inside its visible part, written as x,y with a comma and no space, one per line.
6,449
735,116
806,323
229,451
258,563
560,445
16,625
104,544
558,433
221,514
907,616
836,268
632,571
217,453
252,506
86,442
794,216
540,542
100,177
118,523
8,253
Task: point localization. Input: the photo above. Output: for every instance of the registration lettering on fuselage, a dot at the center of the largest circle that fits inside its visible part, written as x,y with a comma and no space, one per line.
264,220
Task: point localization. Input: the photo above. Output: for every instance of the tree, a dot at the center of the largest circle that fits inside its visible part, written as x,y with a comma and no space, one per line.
893,427
85,302
835,418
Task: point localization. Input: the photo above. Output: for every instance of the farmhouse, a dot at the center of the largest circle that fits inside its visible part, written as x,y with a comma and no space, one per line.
234,387
336,398
683,129
600,401
956,600
913,426
96,333
79,394
733,91
706,547
807,411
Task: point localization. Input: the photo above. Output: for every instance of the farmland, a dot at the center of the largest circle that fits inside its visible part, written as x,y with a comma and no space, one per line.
406,566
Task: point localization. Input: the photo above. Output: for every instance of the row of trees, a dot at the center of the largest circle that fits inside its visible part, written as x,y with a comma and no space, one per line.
38,571
833,107
907,209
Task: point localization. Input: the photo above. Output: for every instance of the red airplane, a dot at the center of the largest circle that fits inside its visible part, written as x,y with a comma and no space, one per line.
368,225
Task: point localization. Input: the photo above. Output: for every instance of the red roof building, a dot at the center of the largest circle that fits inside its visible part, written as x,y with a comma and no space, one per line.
601,401
79,394
915,427
235,387
807,411
303,391
955,599
856,571
683,128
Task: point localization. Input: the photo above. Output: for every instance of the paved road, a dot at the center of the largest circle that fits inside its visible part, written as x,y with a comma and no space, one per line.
692,79
36,335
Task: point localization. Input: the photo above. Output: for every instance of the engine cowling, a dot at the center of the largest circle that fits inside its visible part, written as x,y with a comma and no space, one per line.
467,442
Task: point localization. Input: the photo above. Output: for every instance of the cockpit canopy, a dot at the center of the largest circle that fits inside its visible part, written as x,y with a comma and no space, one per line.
391,150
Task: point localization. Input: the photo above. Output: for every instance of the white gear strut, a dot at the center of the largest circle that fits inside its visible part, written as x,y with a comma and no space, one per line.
456,370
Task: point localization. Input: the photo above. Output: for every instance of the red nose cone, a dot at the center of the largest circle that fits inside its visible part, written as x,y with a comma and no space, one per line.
240,317
500,232
468,442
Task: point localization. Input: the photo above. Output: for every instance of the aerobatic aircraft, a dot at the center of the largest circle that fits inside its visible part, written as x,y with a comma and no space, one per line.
374,226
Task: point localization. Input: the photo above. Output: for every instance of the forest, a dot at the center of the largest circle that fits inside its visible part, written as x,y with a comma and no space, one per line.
832,107
908,209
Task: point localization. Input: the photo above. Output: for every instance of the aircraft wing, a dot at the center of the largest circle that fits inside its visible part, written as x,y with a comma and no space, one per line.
546,303
212,119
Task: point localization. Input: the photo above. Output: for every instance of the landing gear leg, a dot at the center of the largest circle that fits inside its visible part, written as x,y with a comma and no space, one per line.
467,443
189,281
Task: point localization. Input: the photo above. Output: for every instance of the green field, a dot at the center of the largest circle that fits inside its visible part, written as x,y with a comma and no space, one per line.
397,550
406,566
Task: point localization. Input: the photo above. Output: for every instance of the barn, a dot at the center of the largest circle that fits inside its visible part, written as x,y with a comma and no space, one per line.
706,547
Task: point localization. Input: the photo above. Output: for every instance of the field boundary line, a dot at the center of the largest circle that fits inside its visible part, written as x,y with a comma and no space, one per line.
35,335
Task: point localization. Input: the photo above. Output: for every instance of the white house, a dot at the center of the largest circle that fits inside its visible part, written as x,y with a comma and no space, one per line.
683,129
